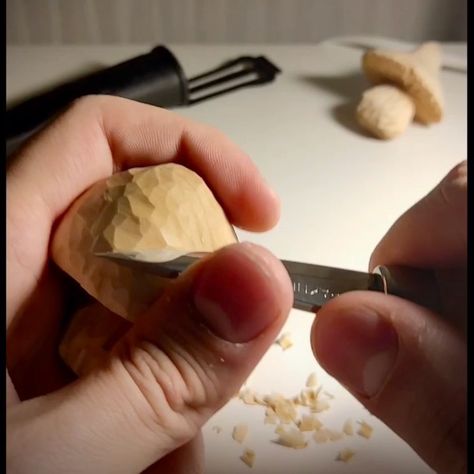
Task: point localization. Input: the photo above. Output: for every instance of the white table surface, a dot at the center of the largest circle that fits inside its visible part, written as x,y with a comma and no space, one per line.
340,192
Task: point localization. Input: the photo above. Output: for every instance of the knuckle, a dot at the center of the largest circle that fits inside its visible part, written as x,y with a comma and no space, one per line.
91,106
85,103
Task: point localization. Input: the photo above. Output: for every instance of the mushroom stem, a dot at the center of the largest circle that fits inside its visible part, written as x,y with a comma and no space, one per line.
385,111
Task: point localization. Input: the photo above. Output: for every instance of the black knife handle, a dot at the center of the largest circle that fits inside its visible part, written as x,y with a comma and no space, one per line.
416,285
155,78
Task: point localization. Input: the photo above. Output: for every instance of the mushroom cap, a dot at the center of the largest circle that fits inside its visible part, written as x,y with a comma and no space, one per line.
417,73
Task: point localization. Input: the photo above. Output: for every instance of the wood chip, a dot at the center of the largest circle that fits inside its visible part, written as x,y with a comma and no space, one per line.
319,406
365,430
269,411
309,423
270,416
284,341
280,429
312,380
348,429
308,397
248,397
239,433
259,400
345,455
297,400
291,438
286,411
248,457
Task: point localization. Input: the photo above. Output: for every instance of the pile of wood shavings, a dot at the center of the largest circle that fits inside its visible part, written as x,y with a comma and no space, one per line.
294,427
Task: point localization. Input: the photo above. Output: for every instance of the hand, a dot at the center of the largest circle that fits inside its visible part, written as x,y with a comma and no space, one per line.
406,364
181,362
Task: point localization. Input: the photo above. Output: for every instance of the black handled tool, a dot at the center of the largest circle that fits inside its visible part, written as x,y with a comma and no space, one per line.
154,78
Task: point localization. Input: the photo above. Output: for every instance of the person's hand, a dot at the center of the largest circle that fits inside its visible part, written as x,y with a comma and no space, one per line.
407,365
186,356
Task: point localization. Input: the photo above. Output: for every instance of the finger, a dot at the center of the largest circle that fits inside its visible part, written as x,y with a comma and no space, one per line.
432,233
102,134
182,361
405,364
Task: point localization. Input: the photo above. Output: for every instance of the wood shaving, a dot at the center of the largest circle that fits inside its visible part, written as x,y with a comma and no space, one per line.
259,400
271,400
271,420
309,423
297,400
248,457
286,411
239,433
291,438
319,406
270,416
269,411
345,455
365,430
312,381
283,411
280,429
248,397
307,397
348,429
284,341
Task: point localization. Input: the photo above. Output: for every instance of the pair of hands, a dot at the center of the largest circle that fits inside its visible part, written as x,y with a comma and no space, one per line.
168,375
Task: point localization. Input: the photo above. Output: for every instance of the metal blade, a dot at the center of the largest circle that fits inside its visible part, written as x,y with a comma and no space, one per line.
313,285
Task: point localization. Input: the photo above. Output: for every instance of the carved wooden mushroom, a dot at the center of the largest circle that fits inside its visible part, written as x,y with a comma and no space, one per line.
158,213
411,89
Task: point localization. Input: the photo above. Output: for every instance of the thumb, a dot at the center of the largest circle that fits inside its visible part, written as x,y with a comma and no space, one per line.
180,363
405,364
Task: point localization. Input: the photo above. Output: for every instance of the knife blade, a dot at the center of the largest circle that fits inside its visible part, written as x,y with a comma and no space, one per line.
314,285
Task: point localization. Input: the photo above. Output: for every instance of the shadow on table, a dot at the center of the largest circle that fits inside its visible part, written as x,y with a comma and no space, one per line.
345,115
350,85
347,86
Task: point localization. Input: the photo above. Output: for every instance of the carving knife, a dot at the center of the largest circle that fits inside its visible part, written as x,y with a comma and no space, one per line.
314,285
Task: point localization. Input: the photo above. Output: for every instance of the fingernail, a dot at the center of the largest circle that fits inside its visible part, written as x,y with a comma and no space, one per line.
359,348
235,293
